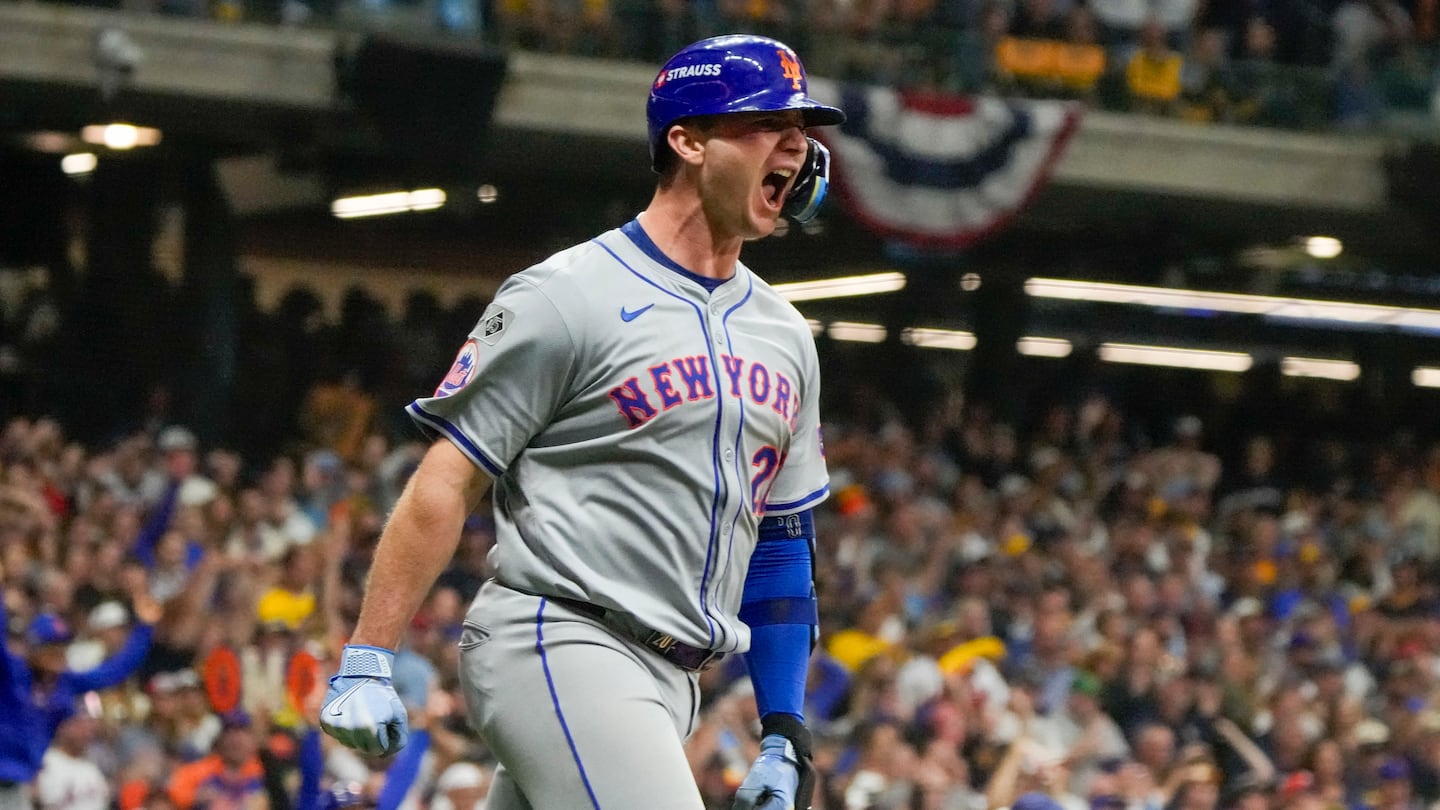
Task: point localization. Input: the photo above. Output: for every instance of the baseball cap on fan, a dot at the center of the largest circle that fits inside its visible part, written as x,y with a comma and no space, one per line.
107,616
176,438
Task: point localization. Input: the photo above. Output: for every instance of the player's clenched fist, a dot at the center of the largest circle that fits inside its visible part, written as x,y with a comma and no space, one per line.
773,780
361,709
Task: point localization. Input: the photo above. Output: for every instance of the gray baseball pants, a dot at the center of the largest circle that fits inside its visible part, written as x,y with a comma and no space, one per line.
580,718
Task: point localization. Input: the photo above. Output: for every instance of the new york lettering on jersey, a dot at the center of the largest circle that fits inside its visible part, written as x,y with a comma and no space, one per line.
746,381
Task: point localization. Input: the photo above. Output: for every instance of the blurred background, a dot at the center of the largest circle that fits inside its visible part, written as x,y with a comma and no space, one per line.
1128,314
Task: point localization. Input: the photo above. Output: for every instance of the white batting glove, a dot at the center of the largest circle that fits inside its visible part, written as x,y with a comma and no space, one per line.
774,778
361,709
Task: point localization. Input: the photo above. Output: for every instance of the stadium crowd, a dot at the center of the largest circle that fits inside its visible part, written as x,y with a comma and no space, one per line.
1310,64
1066,607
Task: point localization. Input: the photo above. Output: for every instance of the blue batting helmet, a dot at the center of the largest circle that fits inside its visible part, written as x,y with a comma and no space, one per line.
730,74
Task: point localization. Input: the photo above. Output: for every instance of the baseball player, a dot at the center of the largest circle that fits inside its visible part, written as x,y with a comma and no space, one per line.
647,410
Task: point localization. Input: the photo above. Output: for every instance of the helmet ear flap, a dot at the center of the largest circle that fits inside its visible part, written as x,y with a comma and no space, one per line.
811,186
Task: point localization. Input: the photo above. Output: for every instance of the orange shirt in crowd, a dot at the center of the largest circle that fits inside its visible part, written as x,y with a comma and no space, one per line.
209,778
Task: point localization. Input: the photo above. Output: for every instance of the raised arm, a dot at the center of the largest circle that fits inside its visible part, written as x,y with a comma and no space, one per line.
155,526
115,669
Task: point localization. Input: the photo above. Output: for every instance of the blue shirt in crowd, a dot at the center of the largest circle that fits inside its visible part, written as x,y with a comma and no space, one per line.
29,717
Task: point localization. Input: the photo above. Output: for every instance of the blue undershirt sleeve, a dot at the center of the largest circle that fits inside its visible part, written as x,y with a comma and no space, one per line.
779,606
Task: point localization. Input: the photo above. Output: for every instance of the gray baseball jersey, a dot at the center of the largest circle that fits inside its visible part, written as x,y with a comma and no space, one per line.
637,425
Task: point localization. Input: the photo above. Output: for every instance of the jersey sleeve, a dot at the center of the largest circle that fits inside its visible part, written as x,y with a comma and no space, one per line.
803,480
507,380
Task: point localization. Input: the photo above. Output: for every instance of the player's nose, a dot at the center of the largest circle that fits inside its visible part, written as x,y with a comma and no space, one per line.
792,139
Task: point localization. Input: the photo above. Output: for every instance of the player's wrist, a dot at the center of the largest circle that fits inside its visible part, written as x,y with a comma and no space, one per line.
366,661
779,746
798,751
790,728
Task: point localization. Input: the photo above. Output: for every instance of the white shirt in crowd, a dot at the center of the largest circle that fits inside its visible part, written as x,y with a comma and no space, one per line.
70,783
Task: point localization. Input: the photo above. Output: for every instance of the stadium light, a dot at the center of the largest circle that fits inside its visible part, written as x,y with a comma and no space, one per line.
843,287
394,202
1323,247
857,332
51,141
78,164
928,338
1342,370
1043,347
1175,357
120,137
1299,309
1426,377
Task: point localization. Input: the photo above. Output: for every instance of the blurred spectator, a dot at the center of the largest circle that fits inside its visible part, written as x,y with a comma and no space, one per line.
38,690
179,447
974,56
463,786
104,633
1206,80
232,776
1086,734
68,780
1081,60
1368,29
336,415
1183,465
1366,32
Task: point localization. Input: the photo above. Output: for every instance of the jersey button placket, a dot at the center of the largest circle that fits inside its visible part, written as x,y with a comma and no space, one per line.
717,327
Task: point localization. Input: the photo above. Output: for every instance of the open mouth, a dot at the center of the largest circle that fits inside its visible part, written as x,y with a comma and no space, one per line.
775,185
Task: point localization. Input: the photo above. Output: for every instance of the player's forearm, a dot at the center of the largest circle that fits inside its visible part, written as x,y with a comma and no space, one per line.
418,541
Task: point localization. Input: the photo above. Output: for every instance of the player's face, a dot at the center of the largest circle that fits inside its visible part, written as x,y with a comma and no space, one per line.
751,160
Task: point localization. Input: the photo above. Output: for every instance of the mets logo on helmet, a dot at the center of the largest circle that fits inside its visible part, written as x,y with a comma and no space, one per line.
791,66
460,371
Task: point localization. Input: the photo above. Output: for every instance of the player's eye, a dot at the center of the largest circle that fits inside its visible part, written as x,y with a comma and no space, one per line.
776,123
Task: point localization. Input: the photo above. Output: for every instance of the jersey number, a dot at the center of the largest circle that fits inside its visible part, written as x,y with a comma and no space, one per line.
766,461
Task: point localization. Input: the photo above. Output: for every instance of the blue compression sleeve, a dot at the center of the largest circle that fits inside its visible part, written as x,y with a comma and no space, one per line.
779,606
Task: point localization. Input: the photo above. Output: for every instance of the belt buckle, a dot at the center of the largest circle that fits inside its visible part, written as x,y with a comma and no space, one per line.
676,653
660,641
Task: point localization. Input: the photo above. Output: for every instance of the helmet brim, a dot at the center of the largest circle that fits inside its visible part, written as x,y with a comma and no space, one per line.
820,115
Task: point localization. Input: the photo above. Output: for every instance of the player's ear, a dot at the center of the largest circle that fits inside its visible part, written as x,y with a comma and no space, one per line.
687,141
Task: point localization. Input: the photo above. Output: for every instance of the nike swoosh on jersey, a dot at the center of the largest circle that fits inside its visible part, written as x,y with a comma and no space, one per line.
629,315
